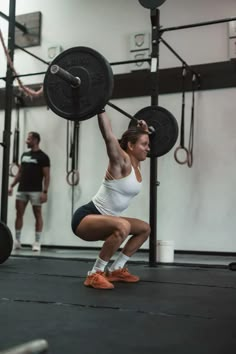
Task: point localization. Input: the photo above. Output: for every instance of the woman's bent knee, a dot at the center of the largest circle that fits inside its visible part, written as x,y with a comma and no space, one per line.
122,229
147,228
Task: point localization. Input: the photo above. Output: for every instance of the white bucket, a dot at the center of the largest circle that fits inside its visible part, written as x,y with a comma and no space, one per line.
165,251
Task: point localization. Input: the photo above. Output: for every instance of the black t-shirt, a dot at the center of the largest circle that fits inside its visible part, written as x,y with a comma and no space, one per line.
32,163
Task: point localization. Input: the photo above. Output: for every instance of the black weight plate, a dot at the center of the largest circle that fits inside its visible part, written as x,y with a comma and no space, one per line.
6,242
232,266
94,92
151,4
165,125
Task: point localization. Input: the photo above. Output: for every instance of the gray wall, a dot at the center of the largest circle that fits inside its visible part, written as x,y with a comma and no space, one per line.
196,207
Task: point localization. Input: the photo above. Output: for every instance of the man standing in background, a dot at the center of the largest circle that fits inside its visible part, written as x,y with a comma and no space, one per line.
33,177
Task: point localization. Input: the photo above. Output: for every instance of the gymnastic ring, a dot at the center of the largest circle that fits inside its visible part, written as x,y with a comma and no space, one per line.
11,169
176,157
73,177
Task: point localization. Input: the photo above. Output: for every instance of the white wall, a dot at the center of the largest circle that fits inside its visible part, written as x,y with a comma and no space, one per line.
196,207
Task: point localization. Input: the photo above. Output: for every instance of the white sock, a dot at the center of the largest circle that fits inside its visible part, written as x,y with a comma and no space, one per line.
18,234
37,236
119,262
99,265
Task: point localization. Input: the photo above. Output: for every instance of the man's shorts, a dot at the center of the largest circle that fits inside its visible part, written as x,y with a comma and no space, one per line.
33,197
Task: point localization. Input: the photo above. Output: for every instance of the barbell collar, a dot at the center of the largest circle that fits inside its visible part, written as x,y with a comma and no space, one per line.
65,75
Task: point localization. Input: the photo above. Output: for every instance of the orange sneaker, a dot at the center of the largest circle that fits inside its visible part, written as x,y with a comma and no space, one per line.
98,280
123,275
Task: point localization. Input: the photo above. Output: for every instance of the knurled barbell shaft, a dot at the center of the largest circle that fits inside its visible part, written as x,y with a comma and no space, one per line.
121,111
150,128
74,81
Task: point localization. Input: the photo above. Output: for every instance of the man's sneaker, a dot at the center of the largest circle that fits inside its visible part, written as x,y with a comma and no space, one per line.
17,245
123,275
36,247
98,280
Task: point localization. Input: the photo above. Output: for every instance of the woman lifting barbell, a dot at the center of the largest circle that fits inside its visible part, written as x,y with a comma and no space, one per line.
101,218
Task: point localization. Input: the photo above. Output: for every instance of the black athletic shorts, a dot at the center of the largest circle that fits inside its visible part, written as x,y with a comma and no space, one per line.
81,212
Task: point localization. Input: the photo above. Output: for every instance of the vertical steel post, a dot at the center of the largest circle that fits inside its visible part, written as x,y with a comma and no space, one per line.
155,20
8,109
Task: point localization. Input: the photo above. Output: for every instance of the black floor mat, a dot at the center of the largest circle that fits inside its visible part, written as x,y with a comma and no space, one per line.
171,310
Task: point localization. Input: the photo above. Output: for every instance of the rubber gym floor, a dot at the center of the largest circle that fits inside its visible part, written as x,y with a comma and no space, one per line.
173,309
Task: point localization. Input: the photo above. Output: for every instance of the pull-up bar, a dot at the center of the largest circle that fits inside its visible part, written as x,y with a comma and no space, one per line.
182,60
214,22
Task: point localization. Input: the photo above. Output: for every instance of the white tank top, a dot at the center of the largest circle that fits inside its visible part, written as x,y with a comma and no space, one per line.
114,195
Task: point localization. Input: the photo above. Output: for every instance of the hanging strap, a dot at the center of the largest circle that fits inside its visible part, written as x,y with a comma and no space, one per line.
27,90
72,176
191,131
181,146
14,166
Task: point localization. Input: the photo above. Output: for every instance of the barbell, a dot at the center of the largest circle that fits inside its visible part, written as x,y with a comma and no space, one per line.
78,85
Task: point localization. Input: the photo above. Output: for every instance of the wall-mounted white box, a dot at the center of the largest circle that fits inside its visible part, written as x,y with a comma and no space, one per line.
54,51
139,41
142,65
